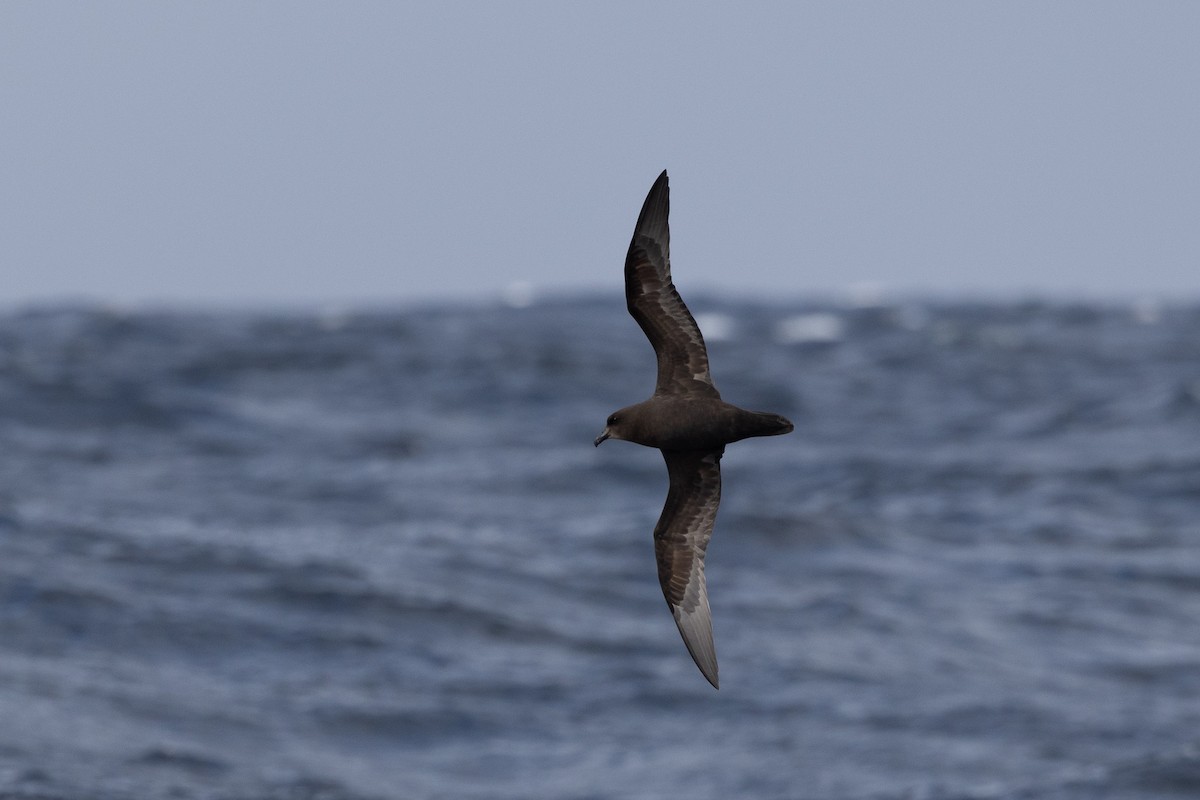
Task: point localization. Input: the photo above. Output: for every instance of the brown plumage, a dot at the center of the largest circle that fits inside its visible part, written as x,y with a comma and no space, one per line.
687,420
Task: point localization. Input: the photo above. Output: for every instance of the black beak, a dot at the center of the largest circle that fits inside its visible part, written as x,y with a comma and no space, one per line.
601,437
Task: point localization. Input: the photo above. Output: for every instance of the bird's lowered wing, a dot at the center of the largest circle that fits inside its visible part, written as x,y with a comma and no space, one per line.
680,539
657,306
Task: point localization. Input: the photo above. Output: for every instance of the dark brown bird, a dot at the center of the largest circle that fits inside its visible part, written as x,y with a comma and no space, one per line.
687,420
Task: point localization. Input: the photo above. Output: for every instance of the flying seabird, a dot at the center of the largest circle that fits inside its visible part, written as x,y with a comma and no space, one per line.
687,420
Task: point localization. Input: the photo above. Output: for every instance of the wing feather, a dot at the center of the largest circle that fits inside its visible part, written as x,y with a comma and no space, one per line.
657,306
680,540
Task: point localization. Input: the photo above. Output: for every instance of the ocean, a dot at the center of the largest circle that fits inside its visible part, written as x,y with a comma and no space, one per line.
373,554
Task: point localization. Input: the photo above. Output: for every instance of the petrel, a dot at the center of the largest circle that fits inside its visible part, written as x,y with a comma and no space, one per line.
687,420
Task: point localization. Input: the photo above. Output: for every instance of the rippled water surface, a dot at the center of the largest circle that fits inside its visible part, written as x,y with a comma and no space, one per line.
375,555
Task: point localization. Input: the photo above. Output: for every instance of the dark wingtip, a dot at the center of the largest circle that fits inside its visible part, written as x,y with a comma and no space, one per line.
652,221
661,183
660,188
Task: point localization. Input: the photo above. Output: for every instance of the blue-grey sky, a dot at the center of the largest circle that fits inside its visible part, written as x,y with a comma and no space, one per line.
284,152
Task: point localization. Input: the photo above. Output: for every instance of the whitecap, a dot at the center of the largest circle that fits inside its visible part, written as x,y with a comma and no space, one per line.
518,294
810,328
715,327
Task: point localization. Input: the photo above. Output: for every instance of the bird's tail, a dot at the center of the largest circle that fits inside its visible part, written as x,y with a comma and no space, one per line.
762,423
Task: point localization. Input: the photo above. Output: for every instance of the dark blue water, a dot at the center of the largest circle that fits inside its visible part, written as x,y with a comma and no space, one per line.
375,555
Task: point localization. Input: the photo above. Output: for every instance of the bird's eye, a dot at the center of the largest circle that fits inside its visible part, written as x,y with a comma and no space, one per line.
612,420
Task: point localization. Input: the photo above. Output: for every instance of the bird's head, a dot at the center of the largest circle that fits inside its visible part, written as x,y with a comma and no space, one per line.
617,426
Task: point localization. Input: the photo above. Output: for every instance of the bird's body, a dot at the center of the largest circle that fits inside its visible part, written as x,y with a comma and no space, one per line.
687,420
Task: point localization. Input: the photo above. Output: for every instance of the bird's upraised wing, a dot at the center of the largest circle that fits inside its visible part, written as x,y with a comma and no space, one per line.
680,539
657,306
